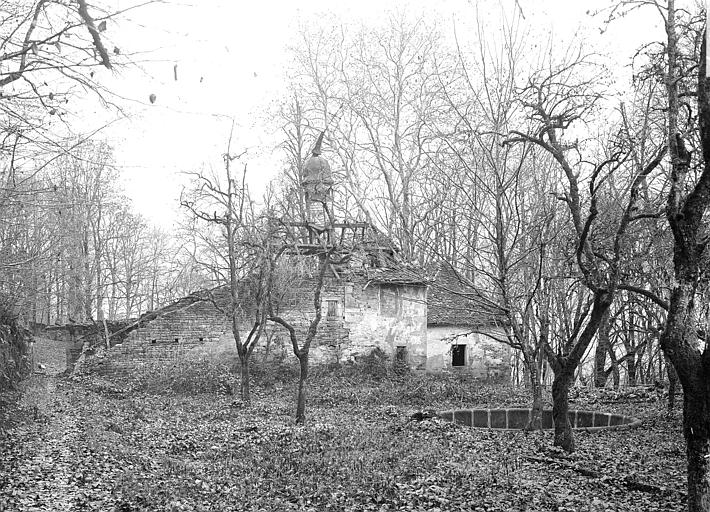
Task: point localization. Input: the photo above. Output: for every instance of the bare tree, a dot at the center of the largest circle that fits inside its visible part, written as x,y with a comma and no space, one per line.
500,226
680,67
686,213
49,51
245,269
557,101
377,89
305,253
301,343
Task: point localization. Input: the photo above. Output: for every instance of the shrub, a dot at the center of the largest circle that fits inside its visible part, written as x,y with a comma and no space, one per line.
204,375
183,376
268,374
376,364
15,360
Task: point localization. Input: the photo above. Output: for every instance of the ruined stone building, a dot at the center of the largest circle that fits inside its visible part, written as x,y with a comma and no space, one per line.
462,329
370,300
423,323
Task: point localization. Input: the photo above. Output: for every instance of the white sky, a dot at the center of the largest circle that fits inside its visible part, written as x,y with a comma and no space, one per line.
231,57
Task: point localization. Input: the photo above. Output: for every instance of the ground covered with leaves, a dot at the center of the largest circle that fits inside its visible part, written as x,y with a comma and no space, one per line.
167,440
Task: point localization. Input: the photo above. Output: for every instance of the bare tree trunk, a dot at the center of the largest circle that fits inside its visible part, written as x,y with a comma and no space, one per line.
616,376
672,384
696,427
603,347
614,370
244,391
678,342
267,349
565,366
631,370
302,391
533,363
535,419
86,293
560,409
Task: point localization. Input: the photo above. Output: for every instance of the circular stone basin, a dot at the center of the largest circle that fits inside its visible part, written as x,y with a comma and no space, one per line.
516,419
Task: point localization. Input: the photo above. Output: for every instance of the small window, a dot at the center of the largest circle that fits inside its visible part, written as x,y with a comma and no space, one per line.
201,338
373,261
400,354
458,355
153,341
332,308
389,300
177,340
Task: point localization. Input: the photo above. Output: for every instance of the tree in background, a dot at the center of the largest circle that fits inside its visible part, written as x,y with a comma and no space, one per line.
237,251
496,219
377,91
52,51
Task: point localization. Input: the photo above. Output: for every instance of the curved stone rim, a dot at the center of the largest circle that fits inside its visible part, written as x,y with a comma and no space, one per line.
515,418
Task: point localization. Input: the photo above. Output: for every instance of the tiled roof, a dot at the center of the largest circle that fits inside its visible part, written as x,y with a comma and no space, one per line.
400,275
451,302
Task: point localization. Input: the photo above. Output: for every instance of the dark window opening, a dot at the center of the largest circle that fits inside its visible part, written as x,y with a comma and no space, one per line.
332,308
458,355
202,339
401,354
153,341
373,261
177,340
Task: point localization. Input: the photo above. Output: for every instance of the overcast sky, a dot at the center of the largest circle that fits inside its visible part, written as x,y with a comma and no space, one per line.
231,57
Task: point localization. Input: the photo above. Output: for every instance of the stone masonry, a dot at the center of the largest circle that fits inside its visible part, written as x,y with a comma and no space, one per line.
359,314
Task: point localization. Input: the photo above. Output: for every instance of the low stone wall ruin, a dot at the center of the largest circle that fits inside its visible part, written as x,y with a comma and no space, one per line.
517,418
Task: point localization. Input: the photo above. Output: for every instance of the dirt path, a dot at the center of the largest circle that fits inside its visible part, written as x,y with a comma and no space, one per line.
42,474
47,479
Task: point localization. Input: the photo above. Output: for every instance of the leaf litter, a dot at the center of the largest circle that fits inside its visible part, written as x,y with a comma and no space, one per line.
96,445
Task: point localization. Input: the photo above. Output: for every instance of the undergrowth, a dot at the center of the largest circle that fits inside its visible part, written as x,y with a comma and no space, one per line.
169,438
359,449
15,361
369,382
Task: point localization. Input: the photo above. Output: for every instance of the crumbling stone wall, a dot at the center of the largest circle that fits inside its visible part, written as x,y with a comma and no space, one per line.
358,316
73,337
388,317
182,331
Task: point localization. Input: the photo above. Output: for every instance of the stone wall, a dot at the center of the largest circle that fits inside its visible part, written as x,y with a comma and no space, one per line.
74,336
390,317
485,358
181,331
357,316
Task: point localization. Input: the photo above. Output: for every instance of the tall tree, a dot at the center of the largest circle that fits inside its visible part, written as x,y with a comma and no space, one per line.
496,189
376,89
686,213
223,200
557,100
